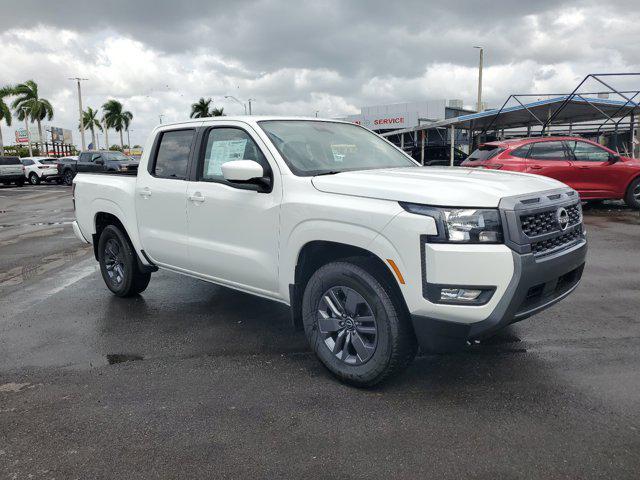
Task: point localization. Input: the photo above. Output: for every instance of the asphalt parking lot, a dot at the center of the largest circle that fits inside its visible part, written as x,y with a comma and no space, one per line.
191,380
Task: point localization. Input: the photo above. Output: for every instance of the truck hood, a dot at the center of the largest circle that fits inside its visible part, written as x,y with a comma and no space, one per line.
440,186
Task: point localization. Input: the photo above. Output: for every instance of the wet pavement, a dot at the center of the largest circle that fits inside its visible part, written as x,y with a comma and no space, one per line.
191,380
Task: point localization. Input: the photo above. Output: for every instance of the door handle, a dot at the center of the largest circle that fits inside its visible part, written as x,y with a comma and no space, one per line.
584,167
145,192
196,197
535,167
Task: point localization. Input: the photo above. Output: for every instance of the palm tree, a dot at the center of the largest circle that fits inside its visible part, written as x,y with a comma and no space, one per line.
91,122
5,113
200,109
117,118
217,112
29,104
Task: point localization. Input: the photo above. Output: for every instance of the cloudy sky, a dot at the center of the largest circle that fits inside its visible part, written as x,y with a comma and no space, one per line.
296,57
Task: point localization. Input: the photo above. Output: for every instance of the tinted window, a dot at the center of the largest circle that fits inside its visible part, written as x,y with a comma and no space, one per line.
485,152
547,151
9,161
587,152
521,152
85,157
228,144
116,156
26,163
96,156
172,158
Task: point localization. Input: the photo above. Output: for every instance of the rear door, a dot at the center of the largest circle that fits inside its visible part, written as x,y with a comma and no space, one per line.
550,159
594,175
84,163
160,198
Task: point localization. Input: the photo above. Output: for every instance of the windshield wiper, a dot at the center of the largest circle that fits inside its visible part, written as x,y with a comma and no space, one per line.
330,172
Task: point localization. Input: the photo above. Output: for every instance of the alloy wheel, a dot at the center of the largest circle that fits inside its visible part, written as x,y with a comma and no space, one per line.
114,262
636,192
348,325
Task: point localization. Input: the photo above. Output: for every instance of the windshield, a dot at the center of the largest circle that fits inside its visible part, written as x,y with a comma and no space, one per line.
314,148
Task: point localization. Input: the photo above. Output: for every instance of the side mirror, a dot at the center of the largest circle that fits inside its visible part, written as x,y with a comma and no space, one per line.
246,171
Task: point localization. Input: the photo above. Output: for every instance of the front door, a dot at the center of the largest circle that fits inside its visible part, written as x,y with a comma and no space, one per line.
549,158
594,175
160,198
233,229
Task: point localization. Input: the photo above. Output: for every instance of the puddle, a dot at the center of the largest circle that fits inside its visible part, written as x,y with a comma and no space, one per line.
122,358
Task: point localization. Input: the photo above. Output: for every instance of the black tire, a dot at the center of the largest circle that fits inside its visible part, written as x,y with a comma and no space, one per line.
34,179
392,348
632,197
67,176
118,264
20,183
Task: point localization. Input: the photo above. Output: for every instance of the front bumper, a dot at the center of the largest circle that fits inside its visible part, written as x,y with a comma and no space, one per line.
536,284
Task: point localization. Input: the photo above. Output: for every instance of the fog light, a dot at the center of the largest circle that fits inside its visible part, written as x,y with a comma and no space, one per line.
459,294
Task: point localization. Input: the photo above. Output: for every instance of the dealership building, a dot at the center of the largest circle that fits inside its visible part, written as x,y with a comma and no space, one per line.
397,116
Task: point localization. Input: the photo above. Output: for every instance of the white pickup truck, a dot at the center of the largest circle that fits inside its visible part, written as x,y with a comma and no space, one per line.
374,254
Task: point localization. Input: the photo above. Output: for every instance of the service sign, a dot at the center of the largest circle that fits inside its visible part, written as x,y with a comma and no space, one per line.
388,121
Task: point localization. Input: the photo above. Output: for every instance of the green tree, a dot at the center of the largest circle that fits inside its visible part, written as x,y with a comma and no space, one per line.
117,118
200,109
217,112
28,103
5,113
91,122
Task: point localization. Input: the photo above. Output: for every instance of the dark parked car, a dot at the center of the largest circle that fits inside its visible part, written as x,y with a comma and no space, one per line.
11,171
96,161
438,155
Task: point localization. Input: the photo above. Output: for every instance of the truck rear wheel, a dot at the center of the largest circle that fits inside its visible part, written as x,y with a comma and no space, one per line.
356,325
67,176
118,264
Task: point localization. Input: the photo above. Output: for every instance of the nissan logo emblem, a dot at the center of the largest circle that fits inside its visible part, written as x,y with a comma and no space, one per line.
563,218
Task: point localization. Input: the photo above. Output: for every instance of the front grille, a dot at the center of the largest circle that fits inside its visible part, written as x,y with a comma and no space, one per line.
551,244
541,223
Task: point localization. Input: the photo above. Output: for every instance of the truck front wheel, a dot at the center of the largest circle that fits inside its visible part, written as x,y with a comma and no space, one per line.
118,264
356,325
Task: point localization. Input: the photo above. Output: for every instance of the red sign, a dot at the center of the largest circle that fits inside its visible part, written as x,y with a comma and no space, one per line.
389,121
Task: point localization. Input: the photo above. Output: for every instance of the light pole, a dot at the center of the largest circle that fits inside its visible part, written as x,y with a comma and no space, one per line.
317,111
480,77
26,126
106,134
250,100
238,101
160,117
78,79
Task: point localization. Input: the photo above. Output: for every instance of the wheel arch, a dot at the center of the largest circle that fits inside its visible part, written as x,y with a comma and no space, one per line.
316,253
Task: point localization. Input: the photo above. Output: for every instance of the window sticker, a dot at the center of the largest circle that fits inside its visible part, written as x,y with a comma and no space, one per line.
224,151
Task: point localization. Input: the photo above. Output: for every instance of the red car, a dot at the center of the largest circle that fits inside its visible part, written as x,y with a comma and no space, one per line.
596,172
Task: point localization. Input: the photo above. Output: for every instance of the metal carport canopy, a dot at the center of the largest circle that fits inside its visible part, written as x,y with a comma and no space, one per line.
576,109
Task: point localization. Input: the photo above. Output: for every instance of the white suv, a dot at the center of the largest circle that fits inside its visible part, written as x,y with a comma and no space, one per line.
38,169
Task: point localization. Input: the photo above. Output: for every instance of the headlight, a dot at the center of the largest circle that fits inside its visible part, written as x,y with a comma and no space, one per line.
461,225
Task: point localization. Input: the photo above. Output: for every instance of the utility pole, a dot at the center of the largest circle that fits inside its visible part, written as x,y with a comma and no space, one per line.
160,117
78,79
479,107
26,126
250,100
317,111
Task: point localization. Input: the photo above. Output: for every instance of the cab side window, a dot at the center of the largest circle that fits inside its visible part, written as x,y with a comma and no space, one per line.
85,157
228,144
172,157
587,152
548,151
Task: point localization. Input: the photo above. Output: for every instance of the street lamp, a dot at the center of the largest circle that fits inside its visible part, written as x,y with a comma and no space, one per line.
238,101
78,79
250,100
479,106
160,117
